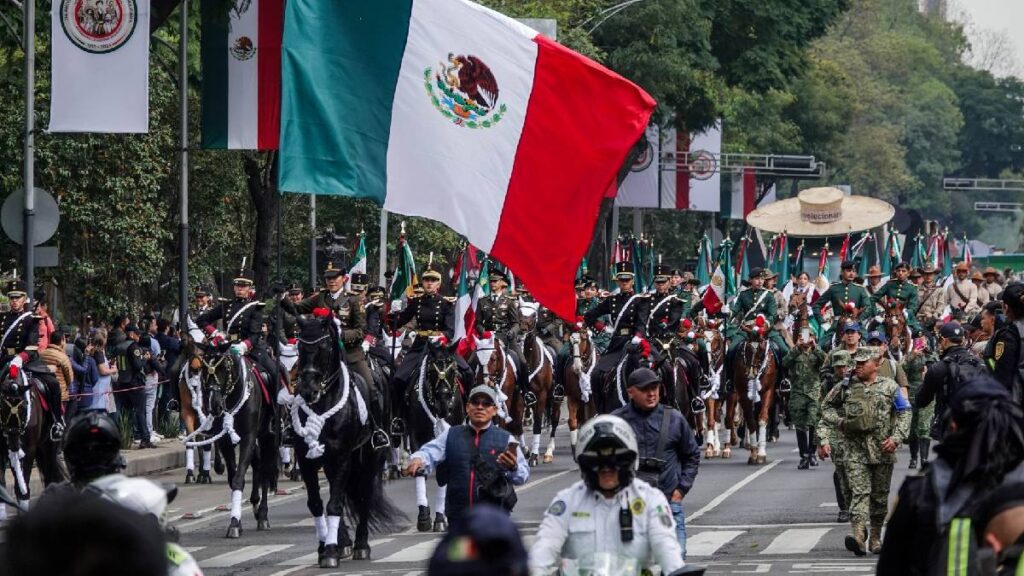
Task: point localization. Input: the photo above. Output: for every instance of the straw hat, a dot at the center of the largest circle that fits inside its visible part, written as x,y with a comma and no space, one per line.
822,212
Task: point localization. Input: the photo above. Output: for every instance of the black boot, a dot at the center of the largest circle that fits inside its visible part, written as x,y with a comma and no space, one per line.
801,442
926,446
914,451
812,446
838,485
423,521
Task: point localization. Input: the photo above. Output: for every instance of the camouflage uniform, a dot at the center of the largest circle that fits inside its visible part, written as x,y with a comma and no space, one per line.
921,422
805,397
831,383
869,467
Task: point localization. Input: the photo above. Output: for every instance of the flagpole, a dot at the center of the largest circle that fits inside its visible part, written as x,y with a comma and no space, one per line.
183,180
312,242
383,246
29,39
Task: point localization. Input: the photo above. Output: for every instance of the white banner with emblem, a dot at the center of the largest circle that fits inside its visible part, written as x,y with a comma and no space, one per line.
100,75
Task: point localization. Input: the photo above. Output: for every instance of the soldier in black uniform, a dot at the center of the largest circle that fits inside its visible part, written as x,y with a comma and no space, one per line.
1002,353
289,328
375,319
435,318
19,345
242,321
666,309
628,312
132,380
499,314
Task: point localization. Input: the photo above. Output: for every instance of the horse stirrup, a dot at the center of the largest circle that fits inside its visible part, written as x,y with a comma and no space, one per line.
379,440
697,406
785,386
397,427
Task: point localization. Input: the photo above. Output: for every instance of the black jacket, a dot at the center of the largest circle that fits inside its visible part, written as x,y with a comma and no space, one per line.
682,453
939,385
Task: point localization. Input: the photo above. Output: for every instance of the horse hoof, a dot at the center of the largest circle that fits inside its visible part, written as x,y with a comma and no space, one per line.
361,554
440,523
294,475
190,478
762,459
263,525
329,557
234,532
423,519
751,461
534,460
218,467
726,454
548,459
344,552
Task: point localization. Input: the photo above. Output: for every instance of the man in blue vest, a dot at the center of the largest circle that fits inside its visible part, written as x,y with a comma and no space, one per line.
471,452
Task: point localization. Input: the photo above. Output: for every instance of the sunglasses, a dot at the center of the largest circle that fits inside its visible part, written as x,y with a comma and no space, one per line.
481,403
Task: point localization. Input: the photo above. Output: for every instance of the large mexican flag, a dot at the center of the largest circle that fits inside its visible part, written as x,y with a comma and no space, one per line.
451,111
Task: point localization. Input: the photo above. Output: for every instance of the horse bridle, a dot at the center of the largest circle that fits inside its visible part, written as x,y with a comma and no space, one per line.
493,378
12,410
209,370
443,378
323,384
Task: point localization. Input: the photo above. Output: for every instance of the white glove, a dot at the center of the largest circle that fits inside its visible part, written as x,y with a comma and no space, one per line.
284,397
239,349
609,330
635,341
17,361
366,346
725,309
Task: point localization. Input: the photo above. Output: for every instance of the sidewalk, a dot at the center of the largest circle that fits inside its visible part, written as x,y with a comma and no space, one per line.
168,454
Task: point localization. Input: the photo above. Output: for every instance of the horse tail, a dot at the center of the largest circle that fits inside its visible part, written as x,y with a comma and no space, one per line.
364,495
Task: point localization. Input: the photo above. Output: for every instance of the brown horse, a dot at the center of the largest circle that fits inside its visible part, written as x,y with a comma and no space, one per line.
577,385
24,436
498,371
718,397
541,364
896,329
754,377
191,362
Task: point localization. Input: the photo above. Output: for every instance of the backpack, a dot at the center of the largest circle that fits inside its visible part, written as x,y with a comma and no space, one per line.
860,410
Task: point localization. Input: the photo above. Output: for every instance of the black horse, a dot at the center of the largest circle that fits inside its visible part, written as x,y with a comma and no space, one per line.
435,397
337,439
236,400
25,423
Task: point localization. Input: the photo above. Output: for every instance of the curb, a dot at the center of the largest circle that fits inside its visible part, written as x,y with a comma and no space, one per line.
166,456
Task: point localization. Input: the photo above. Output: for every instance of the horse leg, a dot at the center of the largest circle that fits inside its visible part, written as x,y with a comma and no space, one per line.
309,470
538,426
423,516
236,481
268,476
206,453
762,448
335,508
556,415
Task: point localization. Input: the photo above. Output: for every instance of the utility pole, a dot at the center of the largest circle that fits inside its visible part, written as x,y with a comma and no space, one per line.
183,180
29,39
312,242
383,248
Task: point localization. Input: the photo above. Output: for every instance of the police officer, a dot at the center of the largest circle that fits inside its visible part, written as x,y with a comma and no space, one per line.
669,453
956,366
19,349
873,416
1002,354
609,510
804,362
629,312
900,288
848,299
499,314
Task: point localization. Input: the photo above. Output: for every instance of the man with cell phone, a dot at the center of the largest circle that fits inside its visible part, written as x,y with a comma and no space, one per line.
804,362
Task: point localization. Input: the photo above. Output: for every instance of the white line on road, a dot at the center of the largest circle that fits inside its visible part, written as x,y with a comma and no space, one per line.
420,552
755,526
735,487
545,480
707,543
829,505
293,569
796,541
243,554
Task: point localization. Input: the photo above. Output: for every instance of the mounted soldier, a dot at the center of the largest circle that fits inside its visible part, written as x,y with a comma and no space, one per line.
376,317
289,326
19,350
933,298
751,303
552,333
962,294
666,312
687,293
628,311
499,314
900,288
847,298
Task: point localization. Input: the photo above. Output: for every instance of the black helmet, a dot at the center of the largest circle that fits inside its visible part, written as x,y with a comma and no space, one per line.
607,441
92,447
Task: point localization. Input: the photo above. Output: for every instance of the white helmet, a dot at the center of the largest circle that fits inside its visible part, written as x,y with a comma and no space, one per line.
607,431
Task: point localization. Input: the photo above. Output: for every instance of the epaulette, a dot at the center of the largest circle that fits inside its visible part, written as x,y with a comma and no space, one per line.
838,283
223,300
451,299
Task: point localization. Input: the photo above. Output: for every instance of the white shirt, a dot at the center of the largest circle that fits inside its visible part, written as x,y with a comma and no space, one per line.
581,522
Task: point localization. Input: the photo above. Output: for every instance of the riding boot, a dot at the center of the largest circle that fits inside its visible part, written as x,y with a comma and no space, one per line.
801,442
523,381
397,425
855,539
56,411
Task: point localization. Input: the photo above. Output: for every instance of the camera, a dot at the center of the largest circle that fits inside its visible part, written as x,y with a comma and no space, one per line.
653,465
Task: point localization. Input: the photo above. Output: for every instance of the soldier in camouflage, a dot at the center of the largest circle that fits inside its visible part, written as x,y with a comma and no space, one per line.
837,377
921,423
804,361
876,421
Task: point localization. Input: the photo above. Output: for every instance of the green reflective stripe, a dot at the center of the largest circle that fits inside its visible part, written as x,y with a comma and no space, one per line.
1020,567
959,547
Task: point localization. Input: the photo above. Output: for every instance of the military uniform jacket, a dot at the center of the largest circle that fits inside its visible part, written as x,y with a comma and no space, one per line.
498,313
994,289
22,332
375,321
963,295
903,291
434,315
346,307
933,303
689,299
549,327
628,312
892,422
663,320
805,369
242,319
584,305
1002,358
914,366
838,294
752,302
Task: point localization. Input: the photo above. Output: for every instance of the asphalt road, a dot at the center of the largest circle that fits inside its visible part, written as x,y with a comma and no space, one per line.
741,519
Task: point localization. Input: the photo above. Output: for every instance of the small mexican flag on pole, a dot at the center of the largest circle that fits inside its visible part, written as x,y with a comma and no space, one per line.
405,272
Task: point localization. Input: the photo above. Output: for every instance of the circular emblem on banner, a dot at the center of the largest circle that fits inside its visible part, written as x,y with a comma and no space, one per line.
465,91
644,158
242,48
98,26
703,165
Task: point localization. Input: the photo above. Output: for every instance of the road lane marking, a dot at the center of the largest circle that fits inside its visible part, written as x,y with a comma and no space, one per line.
707,543
420,552
796,541
829,505
755,526
290,570
242,555
735,487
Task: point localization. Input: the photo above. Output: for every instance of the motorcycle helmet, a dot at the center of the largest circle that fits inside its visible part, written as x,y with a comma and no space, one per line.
92,447
607,441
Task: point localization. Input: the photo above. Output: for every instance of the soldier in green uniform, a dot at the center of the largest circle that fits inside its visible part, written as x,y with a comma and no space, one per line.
687,293
289,326
921,422
838,376
751,303
872,415
499,314
902,289
804,363
846,297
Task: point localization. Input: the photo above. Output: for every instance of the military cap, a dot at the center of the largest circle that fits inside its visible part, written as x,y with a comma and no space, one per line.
333,270
848,265
915,273
432,272
624,271
877,335
497,273
294,288
756,272
865,353
376,292
15,288
675,272
244,276
201,292
580,283
359,281
842,358
661,273
769,274
904,264
589,283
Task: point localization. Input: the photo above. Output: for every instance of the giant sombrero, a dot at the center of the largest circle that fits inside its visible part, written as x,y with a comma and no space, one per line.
818,212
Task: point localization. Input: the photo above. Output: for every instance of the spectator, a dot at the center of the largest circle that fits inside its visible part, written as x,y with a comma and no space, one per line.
45,323
488,542
1000,528
117,333
131,384
106,371
58,363
983,450
76,354
669,453
956,365
170,344
491,448
154,373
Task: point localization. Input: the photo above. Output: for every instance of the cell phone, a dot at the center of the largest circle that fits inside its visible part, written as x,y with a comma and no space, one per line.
513,446
805,334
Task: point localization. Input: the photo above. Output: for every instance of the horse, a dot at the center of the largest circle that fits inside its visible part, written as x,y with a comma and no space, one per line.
435,403
191,361
329,412
540,362
754,378
499,371
25,422
580,404
717,397
896,329
613,389
682,380
238,412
